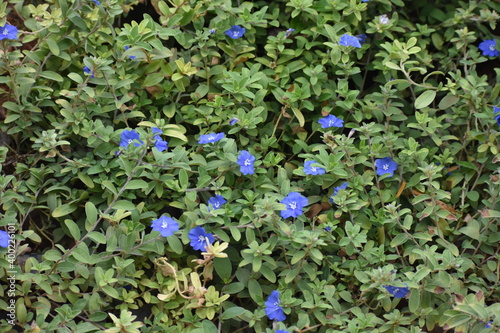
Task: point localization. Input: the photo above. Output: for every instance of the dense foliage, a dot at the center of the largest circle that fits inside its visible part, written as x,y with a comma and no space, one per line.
229,166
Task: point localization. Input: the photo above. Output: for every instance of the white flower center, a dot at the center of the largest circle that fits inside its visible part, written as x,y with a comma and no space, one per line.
292,205
164,225
5,32
211,137
385,167
235,33
201,238
130,141
492,47
216,205
314,169
247,162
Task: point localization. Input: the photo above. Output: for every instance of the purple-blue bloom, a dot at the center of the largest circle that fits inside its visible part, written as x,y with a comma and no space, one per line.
211,137
130,57
273,309
488,324
282,331
87,70
246,161
327,228
398,292
233,121
8,32
348,40
361,38
166,226
330,121
4,238
160,144
496,109
235,31
289,32
216,202
385,165
128,137
212,31
294,203
313,170
489,48
336,191
96,2
199,238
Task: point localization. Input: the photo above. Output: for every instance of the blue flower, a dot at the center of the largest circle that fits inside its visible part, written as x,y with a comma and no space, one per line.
348,40
199,238
489,48
233,121
166,226
127,137
365,0
361,38
235,32
160,144
4,238
313,170
211,137
336,191
96,2
273,309
8,32
246,161
385,165
294,203
327,228
216,202
330,121
496,109
212,31
289,32
130,57
87,70
282,331
398,292
488,324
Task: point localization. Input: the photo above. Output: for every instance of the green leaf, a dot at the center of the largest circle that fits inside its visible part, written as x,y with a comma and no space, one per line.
153,79
86,180
223,268
64,210
448,101
51,76
53,46
97,237
299,115
425,99
135,184
399,239
232,312
255,290
175,244
471,230
91,212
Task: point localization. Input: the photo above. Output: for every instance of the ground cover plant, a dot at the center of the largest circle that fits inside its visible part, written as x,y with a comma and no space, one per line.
236,166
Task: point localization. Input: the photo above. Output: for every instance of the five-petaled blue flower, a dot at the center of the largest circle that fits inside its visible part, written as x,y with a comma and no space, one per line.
496,109
160,144
199,238
330,121
385,165
294,203
246,161
488,324
87,70
216,202
8,32
348,40
130,57
4,238
233,121
235,31
127,137
313,170
398,292
211,137
273,309
489,48
336,191
166,226
327,228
